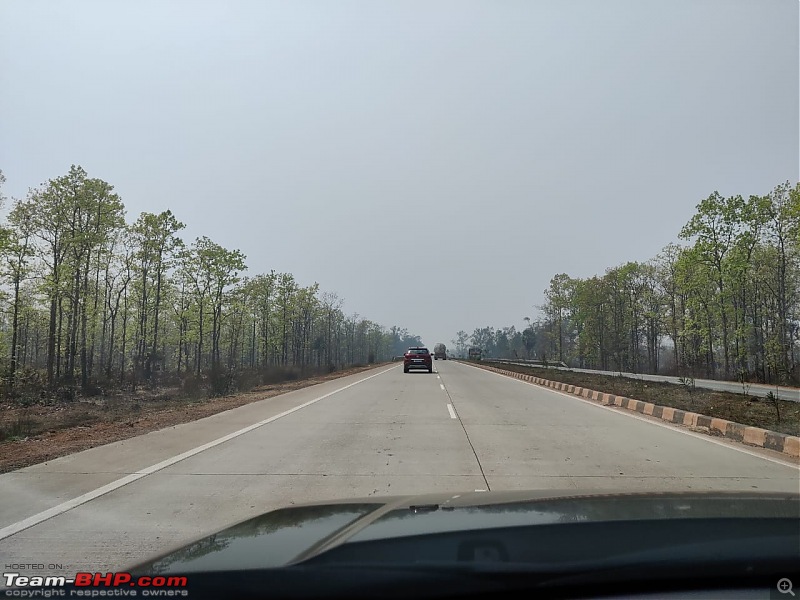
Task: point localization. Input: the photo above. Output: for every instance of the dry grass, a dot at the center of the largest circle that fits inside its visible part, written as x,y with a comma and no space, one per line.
38,432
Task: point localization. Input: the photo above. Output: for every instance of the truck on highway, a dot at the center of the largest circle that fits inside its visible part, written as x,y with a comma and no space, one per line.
440,351
474,353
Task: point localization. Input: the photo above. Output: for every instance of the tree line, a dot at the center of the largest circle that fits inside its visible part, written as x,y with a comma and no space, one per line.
725,303
91,300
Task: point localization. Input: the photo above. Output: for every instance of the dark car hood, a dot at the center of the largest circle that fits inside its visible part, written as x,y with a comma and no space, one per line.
302,532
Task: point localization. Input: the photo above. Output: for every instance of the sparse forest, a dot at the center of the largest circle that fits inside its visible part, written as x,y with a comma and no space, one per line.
93,302
723,304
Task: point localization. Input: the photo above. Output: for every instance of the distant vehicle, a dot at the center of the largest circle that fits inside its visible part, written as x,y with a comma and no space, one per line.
439,351
475,353
417,358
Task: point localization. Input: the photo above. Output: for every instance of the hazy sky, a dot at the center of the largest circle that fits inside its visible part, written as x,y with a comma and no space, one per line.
434,163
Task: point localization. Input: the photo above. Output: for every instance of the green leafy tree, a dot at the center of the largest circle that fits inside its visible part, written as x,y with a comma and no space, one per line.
19,252
715,228
155,236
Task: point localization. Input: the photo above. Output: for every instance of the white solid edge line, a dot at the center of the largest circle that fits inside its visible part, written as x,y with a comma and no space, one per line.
732,444
114,485
451,411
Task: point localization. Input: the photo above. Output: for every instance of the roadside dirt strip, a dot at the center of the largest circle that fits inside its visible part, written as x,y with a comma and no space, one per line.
753,436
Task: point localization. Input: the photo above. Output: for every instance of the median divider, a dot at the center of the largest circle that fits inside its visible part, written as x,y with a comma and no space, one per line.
746,434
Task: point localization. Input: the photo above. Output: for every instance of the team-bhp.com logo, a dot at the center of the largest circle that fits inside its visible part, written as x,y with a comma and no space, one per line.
94,585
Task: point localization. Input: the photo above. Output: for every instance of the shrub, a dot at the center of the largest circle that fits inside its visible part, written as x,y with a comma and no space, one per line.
279,374
79,418
192,385
23,426
66,394
246,380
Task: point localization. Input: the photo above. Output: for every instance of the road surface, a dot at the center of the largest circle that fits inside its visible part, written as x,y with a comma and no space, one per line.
791,394
375,433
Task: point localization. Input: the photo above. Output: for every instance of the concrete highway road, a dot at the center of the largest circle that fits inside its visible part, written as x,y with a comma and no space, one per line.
375,433
760,390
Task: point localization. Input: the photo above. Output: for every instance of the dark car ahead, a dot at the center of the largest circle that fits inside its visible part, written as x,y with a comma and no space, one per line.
417,358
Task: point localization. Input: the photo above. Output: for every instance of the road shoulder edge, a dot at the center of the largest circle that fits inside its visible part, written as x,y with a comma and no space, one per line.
745,434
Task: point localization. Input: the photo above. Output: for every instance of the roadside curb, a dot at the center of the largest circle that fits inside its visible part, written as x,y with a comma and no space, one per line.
746,434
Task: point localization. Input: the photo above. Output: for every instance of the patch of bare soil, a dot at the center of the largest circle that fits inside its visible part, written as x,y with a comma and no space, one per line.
39,433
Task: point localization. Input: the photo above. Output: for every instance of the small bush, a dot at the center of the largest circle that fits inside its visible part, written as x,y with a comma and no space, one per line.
192,385
279,374
28,380
66,394
92,390
169,379
246,380
80,418
23,426
26,400
776,403
222,381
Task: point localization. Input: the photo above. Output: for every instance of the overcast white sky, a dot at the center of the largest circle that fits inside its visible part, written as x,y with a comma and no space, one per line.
435,163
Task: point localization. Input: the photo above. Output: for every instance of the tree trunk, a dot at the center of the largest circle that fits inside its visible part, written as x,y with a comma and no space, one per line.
14,332
51,342
149,367
200,341
124,335
84,319
141,342
91,350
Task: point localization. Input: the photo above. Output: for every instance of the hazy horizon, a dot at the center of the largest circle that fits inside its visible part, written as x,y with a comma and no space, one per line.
434,164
